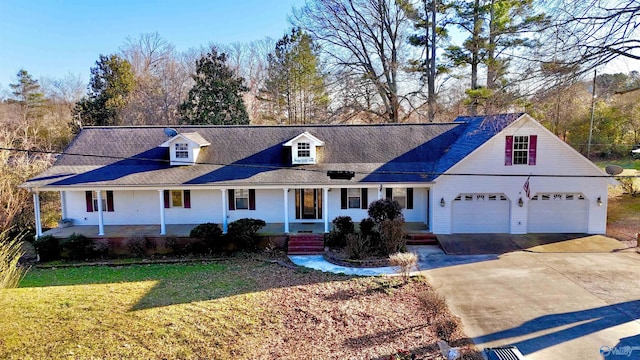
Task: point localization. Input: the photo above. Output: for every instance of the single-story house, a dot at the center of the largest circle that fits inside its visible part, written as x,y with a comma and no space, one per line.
478,174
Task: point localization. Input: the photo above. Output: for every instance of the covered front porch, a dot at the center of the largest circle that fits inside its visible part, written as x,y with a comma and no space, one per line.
183,230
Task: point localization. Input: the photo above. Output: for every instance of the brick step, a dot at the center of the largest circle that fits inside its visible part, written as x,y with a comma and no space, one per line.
422,239
306,241
305,250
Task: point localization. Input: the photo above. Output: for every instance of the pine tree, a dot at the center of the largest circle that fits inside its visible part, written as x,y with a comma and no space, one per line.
216,96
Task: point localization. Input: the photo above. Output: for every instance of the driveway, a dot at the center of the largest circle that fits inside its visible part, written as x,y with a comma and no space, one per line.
549,305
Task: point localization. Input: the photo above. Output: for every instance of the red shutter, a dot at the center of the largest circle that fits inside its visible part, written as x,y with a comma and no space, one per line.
187,199
232,199
364,200
533,147
89,199
343,198
508,151
252,199
167,203
109,201
409,198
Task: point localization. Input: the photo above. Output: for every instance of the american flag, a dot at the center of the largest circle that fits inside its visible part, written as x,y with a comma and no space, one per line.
526,188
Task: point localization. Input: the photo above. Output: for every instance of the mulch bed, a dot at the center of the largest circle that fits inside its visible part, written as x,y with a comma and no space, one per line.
340,257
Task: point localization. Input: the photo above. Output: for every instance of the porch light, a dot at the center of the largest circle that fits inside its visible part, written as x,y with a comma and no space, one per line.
520,202
599,201
442,202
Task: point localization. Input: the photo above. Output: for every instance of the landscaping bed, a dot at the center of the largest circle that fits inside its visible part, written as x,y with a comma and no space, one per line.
246,307
339,256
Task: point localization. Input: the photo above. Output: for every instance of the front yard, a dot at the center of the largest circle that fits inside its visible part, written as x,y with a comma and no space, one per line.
239,308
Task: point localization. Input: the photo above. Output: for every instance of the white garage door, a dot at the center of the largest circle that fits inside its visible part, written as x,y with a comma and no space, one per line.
558,213
480,213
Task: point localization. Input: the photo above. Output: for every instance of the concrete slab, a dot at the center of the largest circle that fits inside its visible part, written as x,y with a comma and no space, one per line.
549,305
475,244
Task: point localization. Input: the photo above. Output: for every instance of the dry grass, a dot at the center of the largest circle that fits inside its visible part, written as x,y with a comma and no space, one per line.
405,263
237,309
10,270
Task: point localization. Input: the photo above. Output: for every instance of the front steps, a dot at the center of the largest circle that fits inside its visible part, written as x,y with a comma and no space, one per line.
422,239
306,244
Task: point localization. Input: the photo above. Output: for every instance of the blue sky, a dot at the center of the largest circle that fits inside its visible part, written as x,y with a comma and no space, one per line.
53,38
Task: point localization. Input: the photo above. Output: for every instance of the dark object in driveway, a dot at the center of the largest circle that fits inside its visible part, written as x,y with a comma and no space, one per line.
504,353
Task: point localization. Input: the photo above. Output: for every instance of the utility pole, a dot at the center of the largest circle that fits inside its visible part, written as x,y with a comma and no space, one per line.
593,104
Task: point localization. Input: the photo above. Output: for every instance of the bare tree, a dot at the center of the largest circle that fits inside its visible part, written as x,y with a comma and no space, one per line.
362,38
590,33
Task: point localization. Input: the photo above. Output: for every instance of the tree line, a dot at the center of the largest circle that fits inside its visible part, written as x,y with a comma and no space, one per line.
350,61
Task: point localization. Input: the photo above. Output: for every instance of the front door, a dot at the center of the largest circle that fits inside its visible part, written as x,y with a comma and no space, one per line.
309,204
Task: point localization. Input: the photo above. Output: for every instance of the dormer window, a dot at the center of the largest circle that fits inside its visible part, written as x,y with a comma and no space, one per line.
184,148
304,149
182,151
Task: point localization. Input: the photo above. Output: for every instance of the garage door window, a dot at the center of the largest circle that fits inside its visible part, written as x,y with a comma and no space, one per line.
558,197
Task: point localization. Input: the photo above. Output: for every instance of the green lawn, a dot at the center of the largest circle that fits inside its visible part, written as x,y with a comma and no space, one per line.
626,163
147,311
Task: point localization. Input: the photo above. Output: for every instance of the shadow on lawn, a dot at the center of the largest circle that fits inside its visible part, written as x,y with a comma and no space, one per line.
185,283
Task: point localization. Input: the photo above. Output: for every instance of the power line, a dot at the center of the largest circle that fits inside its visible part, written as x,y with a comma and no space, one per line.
276,167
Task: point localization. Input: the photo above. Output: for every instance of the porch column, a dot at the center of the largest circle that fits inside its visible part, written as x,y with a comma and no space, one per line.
100,218
225,206
63,203
325,208
163,226
36,209
286,211
380,192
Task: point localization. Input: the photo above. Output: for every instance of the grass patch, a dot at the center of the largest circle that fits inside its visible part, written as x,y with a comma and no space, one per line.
627,163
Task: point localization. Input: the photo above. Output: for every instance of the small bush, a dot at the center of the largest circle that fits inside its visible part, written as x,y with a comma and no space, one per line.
405,262
433,304
209,236
80,247
367,227
392,236
10,270
628,186
385,209
357,246
243,232
342,226
48,248
445,328
138,245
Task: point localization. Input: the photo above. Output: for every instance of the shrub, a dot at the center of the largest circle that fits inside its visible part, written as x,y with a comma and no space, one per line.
47,247
628,186
342,226
385,209
138,245
80,247
367,227
405,262
10,270
445,327
432,303
392,236
210,236
357,245
243,232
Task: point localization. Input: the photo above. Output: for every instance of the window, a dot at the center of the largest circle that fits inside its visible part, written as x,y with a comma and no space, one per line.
242,199
304,149
92,201
520,150
182,151
177,199
400,195
353,198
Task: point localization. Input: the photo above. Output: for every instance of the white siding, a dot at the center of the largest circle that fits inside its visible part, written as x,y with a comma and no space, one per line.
554,157
269,207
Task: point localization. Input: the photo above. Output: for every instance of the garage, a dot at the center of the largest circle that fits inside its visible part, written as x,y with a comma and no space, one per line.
558,213
480,213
